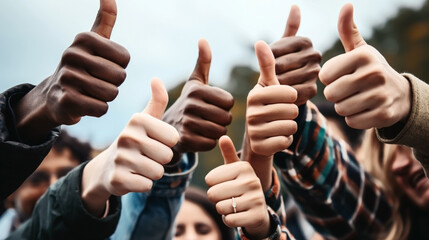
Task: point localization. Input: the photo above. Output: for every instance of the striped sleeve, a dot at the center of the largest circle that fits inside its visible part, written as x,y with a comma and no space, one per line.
337,196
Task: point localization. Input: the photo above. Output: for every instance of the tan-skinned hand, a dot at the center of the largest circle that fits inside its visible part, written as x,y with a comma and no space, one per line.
364,87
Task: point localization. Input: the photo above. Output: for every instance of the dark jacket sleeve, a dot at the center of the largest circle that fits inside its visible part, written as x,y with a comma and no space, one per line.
60,214
17,159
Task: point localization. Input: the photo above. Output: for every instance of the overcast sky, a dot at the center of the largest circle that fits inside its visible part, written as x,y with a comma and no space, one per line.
162,39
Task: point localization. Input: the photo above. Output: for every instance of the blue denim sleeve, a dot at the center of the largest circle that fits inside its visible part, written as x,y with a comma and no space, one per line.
151,215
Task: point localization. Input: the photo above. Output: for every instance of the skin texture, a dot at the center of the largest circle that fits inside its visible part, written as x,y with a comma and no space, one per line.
237,179
135,158
86,79
56,164
193,223
297,65
201,113
269,117
410,177
297,62
364,87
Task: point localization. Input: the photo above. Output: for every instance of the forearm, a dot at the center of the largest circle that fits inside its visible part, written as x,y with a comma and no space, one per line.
262,165
94,195
32,122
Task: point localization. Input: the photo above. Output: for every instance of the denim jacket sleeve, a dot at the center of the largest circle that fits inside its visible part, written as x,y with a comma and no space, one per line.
151,215
18,160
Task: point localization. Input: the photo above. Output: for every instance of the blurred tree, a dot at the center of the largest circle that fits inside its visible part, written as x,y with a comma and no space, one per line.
403,40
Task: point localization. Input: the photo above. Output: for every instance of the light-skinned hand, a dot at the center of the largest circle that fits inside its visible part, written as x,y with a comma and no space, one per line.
364,87
135,158
237,179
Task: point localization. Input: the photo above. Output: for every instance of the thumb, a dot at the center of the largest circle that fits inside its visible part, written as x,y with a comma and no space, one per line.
228,150
106,18
202,68
267,64
159,99
349,34
293,22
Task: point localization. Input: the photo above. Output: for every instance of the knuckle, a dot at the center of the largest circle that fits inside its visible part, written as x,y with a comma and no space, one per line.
101,110
122,75
350,121
284,142
220,208
328,94
116,182
230,222
67,76
196,90
210,193
340,110
124,56
158,172
111,94
82,38
120,159
126,140
146,185
258,148
306,42
69,55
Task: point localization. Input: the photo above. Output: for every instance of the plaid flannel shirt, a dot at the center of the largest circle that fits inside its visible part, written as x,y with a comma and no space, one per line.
337,196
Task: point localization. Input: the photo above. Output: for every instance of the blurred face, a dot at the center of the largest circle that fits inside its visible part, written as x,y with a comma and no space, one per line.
194,223
410,177
55,165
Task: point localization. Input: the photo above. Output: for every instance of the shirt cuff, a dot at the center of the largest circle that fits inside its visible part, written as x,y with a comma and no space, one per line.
277,231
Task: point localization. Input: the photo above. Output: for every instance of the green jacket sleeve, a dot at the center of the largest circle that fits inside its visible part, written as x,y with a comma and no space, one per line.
60,214
415,131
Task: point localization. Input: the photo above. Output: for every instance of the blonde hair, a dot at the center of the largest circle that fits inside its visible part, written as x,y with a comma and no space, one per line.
377,159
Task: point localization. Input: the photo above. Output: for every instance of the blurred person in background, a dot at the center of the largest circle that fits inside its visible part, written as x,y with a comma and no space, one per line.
198,219
66,153
403,178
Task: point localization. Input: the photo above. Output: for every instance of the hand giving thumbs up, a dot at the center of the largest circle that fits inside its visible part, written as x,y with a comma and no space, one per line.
364,88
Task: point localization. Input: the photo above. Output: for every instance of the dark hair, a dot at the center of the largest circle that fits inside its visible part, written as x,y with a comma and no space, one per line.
354,136
200,198
80,150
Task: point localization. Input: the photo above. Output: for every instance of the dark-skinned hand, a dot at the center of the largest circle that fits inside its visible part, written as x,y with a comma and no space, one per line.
201,113
297,62
87,77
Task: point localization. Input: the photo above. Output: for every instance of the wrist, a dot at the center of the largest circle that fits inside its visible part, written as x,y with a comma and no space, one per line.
262,165
262,231
32,121
93,193
408,99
